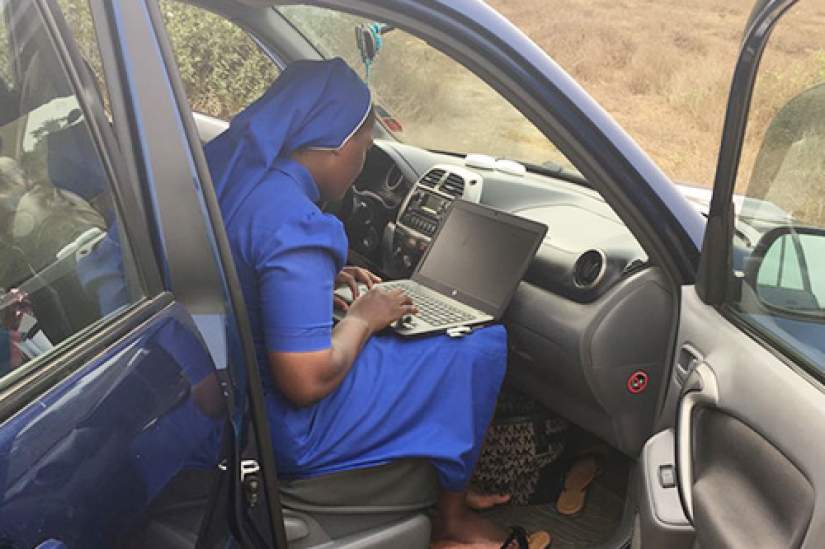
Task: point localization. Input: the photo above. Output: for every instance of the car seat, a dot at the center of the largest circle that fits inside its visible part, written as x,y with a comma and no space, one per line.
379,506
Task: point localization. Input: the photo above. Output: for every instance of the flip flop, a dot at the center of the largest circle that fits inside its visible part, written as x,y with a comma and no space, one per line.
536,540
578,478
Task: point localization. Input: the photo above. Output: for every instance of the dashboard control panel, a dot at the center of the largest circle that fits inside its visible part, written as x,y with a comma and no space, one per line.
424,211
421,213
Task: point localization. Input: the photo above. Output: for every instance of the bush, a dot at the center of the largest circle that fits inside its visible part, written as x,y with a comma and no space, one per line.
222,69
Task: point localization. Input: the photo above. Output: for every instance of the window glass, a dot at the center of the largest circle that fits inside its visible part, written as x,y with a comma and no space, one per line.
425,98
781,192
223,69
61,260
78,17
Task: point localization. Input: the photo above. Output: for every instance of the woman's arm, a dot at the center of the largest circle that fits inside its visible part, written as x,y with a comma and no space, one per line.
307,377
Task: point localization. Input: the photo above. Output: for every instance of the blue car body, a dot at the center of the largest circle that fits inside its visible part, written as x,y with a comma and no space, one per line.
91,439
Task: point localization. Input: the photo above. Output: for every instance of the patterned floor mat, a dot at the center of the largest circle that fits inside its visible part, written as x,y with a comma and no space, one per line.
595,524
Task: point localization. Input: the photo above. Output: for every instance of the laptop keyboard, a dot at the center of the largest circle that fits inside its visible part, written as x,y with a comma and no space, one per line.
432,309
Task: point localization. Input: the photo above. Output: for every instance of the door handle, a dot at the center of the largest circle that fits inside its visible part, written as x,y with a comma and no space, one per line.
700,389
688,358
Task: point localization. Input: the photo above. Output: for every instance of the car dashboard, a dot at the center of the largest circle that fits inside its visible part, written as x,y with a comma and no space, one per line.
395,206
590,320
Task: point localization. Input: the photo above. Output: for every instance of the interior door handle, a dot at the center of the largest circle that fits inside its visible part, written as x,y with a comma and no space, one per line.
700,389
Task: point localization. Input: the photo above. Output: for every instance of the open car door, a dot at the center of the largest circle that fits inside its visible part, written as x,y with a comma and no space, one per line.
747,387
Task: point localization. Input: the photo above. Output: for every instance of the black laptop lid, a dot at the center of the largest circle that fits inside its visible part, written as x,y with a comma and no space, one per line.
479,255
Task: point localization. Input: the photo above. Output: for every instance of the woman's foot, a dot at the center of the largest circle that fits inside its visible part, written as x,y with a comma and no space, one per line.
479,502
457,525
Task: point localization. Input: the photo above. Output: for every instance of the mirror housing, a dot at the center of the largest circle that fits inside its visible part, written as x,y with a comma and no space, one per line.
786,271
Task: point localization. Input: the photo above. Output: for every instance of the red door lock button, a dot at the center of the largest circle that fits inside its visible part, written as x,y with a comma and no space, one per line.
637,382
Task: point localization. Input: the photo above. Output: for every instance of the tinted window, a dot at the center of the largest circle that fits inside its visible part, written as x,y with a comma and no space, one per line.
62,252
78,17
781,188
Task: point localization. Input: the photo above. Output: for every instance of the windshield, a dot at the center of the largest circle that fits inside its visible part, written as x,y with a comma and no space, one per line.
424,97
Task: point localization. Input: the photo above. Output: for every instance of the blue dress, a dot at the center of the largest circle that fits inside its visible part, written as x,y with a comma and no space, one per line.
428,398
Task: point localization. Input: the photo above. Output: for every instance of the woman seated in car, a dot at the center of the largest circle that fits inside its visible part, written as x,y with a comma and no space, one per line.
348,396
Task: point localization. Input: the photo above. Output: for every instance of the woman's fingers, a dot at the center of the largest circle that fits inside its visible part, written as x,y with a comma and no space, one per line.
339,303
350,281
364,276
400,297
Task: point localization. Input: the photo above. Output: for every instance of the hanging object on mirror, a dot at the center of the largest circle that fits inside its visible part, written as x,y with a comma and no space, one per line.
369,40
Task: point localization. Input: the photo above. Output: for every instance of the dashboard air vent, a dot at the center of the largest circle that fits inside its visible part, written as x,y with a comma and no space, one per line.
431,178
589,269
453,185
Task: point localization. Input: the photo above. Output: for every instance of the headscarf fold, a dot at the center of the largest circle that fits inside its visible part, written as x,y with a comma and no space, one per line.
312,104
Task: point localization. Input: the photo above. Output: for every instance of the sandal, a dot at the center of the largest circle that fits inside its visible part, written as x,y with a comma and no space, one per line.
578,478
536,540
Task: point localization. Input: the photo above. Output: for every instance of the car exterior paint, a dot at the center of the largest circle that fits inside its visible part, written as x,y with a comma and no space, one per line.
81,461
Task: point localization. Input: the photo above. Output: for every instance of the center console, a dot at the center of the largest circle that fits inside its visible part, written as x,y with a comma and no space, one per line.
407,238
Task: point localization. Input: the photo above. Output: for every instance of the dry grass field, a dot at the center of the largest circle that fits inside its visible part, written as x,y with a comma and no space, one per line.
662,68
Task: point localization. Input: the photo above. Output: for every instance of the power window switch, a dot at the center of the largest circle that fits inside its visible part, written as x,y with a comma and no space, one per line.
667,476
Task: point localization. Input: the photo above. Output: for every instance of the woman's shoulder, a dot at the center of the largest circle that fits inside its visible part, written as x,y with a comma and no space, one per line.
284,214
271,203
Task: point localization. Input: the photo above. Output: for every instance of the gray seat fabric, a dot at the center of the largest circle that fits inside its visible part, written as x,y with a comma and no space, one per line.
396,487
384,503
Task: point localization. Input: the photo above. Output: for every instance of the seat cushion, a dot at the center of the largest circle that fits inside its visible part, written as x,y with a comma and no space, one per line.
399,486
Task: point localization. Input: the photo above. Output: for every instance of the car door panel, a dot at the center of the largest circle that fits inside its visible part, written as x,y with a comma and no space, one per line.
83,462
755,450
749,415
128,413
746,493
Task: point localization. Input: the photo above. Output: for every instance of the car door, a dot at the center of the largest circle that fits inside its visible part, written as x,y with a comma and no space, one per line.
747,387
201,264
118,332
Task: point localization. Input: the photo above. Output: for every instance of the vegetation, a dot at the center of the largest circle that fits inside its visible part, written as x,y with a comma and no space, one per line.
662,68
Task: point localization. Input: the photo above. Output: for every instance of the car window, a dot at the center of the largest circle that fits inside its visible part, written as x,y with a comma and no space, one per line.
61,249
223,69
426,98
780,197
78,17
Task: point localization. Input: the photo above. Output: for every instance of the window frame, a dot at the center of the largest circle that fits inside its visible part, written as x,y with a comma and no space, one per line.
140,259
717,284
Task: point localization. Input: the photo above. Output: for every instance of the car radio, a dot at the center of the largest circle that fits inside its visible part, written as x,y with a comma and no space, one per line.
421,213
424,211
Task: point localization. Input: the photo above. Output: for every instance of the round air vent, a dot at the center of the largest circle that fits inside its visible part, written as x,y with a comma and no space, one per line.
589,269
394,178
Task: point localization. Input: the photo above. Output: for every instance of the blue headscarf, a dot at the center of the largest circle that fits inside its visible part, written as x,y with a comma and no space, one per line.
313,104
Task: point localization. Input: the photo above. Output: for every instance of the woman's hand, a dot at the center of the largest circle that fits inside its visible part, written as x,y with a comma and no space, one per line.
352,276
379,308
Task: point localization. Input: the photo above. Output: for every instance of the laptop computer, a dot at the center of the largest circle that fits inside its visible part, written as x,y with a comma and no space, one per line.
470,271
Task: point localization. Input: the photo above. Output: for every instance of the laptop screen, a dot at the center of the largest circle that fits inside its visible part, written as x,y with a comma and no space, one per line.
479,255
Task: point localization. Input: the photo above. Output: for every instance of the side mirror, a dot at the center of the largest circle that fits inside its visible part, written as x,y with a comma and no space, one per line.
787,271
